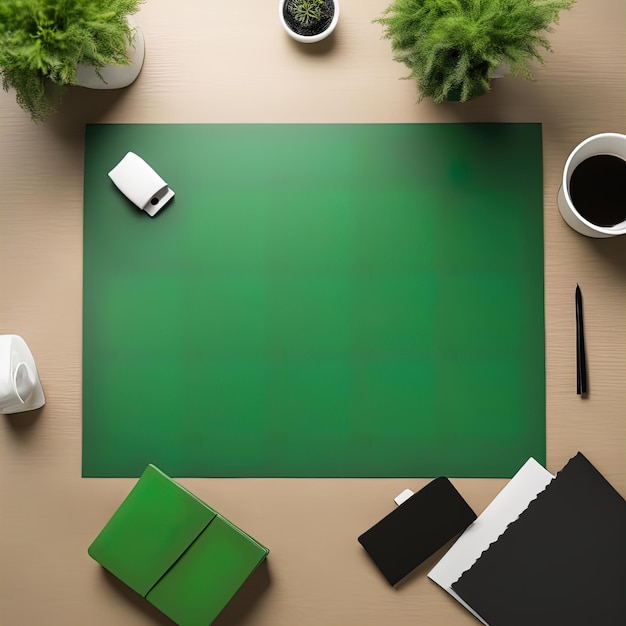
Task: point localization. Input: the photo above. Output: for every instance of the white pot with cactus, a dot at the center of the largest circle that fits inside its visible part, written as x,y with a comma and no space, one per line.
308,21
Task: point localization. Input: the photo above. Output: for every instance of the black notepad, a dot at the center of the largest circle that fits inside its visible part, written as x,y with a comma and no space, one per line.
417,529
562,562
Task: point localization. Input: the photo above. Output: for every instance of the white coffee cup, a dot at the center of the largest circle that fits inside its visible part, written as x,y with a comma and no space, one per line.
612,144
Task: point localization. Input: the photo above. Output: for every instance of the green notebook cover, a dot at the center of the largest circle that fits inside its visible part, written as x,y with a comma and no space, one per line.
151,529
208,575
176,551
318,300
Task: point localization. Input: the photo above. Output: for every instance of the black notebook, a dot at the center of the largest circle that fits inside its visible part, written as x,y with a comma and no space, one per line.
563,561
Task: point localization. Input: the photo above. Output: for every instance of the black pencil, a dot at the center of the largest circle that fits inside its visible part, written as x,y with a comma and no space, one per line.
581,359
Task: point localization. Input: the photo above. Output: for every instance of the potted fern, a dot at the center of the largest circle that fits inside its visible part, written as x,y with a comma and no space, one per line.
46,45
308,21
453,47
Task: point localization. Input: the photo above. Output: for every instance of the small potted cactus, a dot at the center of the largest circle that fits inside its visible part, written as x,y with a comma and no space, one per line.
308,21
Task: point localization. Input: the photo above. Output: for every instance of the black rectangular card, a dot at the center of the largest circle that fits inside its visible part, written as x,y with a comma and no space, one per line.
417,529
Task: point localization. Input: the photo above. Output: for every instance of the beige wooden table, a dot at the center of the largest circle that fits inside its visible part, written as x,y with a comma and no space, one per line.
231,62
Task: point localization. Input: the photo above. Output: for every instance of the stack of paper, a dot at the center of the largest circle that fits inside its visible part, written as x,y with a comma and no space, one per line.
545,551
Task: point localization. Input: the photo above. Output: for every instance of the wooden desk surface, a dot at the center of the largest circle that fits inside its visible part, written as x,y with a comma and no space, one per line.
231,62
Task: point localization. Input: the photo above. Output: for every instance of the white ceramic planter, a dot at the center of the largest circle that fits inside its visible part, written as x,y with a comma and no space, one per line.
303,38
116,76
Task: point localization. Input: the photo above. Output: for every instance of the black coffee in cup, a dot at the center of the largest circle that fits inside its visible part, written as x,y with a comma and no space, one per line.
598,189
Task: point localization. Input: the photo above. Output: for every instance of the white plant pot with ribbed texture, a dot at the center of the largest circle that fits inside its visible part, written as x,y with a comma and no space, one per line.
116,76
308,38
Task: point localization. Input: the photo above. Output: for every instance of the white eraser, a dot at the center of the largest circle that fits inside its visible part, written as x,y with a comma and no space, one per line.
141,184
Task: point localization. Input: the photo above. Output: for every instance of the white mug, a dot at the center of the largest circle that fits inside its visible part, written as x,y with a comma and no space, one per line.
20,387
612,144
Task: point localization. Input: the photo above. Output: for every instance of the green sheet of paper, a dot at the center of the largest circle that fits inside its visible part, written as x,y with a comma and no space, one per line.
341,300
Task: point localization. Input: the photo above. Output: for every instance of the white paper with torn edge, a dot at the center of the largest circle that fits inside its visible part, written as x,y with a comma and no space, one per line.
505,508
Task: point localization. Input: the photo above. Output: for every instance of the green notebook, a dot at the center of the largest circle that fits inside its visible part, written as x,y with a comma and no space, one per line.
177,552
318,300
